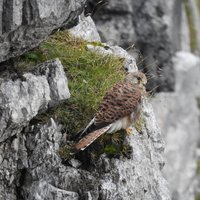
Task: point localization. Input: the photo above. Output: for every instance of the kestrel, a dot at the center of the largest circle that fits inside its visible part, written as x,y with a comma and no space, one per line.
120,108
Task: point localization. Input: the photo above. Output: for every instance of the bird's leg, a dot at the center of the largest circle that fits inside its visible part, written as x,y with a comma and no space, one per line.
129,131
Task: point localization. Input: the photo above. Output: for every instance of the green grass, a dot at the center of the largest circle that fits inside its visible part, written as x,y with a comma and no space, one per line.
90,75
192,29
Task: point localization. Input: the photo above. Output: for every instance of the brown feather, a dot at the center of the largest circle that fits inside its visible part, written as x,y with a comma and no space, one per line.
89,139
119,102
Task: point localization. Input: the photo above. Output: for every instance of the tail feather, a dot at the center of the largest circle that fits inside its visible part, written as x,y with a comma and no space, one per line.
89,139
91,127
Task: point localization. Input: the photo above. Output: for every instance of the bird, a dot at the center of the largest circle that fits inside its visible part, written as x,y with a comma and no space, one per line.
120,108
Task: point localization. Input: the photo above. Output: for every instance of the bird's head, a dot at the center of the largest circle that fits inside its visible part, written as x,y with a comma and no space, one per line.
136,78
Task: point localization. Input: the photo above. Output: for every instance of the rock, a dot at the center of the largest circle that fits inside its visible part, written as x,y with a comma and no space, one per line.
179,121
24,24
21,100
137,177
185,32
105,49
107,20
146,25
90,32
31,167
129,61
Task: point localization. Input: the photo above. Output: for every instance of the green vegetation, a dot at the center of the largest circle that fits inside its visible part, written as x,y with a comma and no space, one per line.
197,197
193,33
198,4
139,124
90,75
113,145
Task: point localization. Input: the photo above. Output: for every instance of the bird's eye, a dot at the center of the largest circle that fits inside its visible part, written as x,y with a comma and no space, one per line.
139,78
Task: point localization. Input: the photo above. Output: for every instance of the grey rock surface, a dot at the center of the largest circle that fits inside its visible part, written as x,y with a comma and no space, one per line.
185,32
24,24
20,101
87,24
158,28
31,168
138,177
178,116
146,25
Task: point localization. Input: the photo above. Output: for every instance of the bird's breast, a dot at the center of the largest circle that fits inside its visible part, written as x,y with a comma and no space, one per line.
122,123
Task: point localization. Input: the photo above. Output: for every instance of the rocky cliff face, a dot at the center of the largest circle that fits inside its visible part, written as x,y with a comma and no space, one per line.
180,125
167,35
31,167
156,28
24,24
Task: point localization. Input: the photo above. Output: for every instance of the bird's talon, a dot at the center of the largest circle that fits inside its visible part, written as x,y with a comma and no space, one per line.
129,131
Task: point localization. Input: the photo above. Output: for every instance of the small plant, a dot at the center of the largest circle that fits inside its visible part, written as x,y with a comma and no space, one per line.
139,124
64,152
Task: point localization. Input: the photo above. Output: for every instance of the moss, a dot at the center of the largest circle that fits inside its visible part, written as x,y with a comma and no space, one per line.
139,124
64,152
193,33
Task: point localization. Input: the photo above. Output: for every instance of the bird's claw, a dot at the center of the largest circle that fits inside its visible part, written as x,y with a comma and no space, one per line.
129,131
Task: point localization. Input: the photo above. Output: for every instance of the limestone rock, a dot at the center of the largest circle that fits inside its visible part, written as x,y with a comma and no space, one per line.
143,25
178,116
24,24
138,177
90,32
21,100
31,168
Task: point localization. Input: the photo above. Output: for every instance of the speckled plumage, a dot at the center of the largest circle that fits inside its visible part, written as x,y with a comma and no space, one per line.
120,107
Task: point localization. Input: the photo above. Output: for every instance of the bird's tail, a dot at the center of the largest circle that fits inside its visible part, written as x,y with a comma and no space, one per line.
91,127
88,139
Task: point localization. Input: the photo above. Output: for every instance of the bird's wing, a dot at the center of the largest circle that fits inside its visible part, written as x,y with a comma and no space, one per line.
117,103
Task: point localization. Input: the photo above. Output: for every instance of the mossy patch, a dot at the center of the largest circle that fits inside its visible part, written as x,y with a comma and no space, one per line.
113,145
192,29
139,124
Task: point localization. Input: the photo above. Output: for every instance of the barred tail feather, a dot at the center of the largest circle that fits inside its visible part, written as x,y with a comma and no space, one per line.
89,139
91,127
